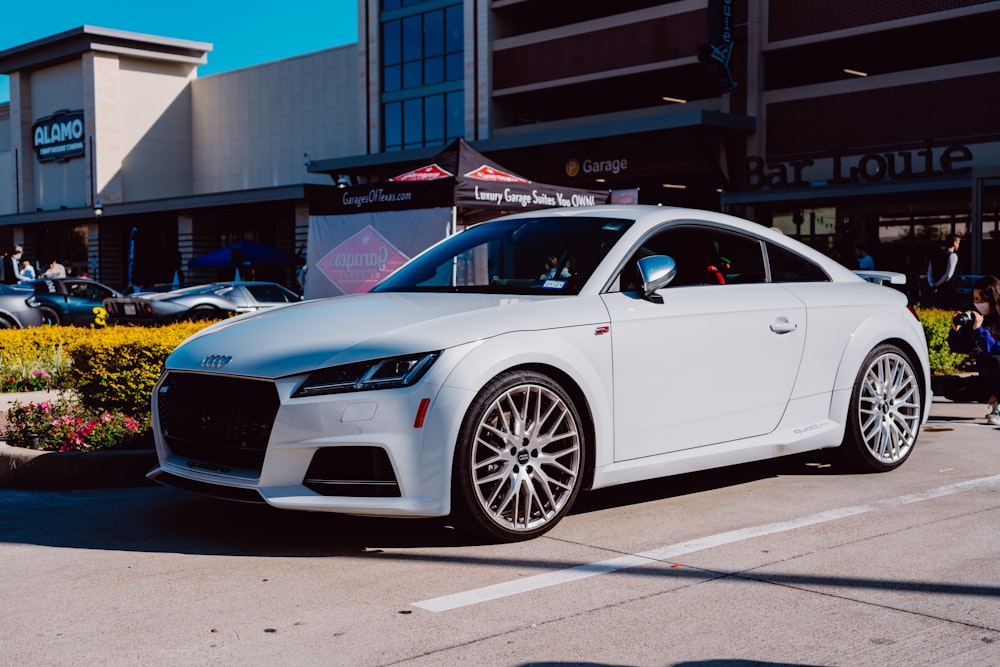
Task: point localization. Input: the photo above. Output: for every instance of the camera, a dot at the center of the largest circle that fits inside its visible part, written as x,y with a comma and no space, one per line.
961,319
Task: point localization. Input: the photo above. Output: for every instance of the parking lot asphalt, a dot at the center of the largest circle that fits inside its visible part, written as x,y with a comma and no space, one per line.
792,561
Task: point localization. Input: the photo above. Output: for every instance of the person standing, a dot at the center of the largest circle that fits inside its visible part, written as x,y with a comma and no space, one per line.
941,271
12,266
977,332
27,271
55,270
865,261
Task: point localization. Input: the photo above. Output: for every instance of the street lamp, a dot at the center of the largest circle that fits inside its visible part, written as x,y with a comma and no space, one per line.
98,210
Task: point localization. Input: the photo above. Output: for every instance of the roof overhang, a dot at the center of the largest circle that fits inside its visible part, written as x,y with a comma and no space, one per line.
634,126
69,45
173,204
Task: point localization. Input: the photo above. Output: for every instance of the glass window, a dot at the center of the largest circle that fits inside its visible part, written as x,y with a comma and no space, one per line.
787,267
420,51
434,119
525,256
433,70
453,67
412,38
393,126
704,256
456,115
453,29
434,33
392,78
413,74
391,43
413,123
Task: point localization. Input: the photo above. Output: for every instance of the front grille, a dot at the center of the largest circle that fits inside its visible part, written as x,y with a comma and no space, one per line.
220,420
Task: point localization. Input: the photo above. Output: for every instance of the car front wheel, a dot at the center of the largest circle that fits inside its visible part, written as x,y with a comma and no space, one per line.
885,411
519,458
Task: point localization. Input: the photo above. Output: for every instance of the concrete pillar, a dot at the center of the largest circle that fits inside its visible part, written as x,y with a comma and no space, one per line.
101,86
22,140
185,243
94,251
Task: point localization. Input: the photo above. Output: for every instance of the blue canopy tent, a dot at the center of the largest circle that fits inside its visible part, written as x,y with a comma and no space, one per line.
244,253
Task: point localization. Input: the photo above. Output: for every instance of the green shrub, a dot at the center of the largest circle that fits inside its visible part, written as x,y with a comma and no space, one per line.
937,324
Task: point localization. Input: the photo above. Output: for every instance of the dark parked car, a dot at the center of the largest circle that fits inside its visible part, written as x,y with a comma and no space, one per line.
77,301
18,308
201,302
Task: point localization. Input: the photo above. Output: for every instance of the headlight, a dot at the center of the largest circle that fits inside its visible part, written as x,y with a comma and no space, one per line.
375,374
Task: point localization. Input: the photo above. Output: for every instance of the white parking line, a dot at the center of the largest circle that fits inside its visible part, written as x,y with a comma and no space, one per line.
506,589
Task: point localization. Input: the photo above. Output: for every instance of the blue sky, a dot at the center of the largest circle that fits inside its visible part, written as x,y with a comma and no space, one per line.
242,33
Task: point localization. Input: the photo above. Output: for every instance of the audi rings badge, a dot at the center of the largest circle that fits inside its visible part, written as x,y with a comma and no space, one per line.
215,361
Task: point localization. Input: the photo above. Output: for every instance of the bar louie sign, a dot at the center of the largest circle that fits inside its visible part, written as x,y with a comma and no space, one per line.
868,168
59,136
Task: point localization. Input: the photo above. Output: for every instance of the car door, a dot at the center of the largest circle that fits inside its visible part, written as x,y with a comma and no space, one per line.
716,361
85,302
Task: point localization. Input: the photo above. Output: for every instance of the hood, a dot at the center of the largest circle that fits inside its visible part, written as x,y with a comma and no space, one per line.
302,337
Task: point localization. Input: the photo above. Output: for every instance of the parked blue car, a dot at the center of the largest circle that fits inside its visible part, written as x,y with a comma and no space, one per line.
76,301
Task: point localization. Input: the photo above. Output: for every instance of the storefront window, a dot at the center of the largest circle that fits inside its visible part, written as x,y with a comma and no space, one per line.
422,73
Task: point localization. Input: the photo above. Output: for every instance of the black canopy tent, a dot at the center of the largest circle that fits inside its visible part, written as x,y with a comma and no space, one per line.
458,176
360,234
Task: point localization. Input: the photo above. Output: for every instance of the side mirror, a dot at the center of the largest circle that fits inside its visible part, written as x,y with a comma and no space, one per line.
656,271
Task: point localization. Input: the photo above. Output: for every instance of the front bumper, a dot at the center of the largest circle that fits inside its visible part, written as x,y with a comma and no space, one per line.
353,453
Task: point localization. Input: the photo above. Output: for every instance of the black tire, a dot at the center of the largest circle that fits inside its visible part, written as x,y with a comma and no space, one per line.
201,313
519,459
883,419
49,316
7,323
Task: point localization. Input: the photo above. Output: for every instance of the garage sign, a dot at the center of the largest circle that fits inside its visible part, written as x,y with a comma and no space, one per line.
361,261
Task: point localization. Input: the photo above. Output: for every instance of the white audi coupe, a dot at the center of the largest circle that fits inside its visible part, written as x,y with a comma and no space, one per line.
505,369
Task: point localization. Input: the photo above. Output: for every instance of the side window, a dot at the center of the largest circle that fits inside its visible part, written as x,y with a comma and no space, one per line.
787,267
266,293
704,256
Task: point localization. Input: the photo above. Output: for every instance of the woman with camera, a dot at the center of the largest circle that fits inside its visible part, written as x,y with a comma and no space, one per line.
977,332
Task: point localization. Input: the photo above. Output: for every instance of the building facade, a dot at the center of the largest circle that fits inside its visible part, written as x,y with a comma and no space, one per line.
845,123
116,159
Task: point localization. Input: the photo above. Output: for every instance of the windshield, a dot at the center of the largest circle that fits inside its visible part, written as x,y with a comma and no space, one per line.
512,256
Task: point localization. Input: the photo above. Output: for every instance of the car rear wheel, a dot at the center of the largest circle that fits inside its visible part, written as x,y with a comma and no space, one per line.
885,411
7,323
200,313
519,458
49,315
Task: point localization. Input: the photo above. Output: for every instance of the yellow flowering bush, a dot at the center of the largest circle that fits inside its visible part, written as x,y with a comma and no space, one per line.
106,377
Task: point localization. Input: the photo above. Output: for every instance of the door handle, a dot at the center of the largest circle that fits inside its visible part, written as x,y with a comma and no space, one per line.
783,326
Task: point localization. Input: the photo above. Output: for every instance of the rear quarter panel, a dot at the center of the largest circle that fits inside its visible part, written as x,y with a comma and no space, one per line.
845,321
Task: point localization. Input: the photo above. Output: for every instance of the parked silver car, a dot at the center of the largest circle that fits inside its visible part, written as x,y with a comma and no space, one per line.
19,307
201,302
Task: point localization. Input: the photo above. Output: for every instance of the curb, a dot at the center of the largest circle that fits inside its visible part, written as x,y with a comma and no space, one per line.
22,468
